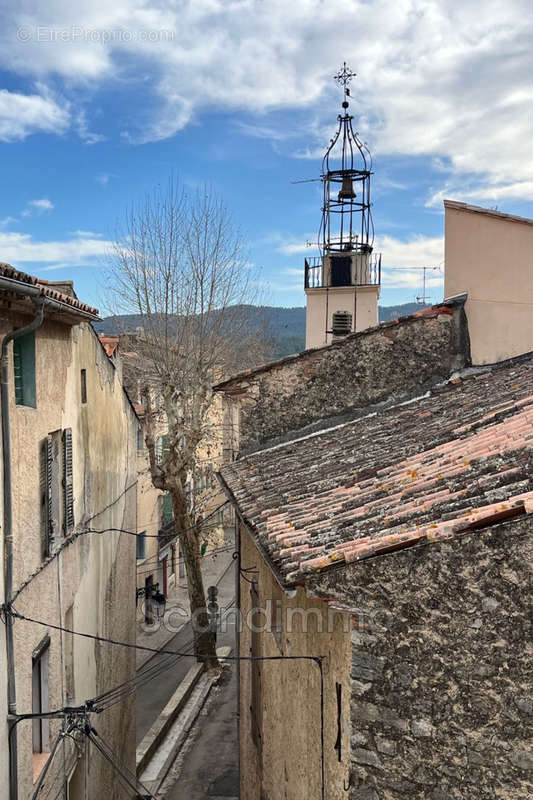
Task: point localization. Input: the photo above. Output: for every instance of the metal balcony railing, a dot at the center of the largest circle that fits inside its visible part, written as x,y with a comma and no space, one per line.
367,274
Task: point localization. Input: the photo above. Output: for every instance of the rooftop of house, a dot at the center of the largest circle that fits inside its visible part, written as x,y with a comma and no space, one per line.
110,343
47,289
489,212
455,460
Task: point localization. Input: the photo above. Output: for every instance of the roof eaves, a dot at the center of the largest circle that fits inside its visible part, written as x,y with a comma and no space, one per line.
489,212
12,280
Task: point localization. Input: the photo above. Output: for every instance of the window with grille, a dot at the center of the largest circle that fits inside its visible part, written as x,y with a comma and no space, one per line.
24,370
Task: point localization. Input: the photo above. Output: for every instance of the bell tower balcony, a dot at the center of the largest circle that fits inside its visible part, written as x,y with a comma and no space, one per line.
338,269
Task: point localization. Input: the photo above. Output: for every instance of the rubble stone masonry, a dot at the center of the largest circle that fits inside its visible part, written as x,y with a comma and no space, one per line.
393,361
441,672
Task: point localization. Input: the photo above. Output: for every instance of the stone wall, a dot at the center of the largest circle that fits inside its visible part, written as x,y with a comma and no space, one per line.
441,668
395,360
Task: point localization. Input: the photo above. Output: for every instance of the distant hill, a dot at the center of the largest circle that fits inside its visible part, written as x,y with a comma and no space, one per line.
286,325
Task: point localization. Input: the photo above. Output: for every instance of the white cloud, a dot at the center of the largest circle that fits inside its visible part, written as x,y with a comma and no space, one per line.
82,128
80,250
450,81
44,204
402,262
104,177
22,115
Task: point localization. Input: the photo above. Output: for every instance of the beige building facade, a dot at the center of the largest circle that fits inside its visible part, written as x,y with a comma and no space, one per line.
73,464
488,256
342,293
287,703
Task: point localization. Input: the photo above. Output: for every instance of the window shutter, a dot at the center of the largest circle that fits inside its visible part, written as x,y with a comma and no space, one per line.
68,492
46,494
168,512
17,371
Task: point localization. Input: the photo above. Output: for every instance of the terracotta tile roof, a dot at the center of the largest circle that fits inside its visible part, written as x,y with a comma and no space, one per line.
110,343
445,308
455,460
47,290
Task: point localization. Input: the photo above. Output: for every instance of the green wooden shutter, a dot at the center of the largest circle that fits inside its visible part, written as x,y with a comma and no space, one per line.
68,492
24,370
168,513
46,495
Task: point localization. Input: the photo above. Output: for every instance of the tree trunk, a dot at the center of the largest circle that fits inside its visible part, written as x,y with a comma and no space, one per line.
204,645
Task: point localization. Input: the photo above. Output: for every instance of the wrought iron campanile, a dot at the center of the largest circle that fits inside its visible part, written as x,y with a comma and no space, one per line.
346,168
347,265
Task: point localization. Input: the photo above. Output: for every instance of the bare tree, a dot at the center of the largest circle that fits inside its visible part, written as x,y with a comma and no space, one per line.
179,263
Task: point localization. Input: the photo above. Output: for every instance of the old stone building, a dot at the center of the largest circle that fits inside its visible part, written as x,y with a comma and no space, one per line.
70,480
384,491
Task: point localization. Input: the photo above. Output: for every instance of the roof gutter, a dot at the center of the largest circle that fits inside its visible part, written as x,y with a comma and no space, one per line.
37,321
34,291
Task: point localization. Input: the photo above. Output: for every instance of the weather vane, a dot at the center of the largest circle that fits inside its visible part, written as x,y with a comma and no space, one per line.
343,78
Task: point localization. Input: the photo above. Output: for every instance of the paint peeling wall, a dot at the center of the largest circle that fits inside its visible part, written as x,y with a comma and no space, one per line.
91,584
287,763
441,668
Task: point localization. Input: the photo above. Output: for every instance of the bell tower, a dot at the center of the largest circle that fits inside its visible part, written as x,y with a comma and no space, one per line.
342,284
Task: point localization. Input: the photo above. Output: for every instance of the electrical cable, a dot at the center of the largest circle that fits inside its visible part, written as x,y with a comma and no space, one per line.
105,700
161,651
109,759
75,535
180,559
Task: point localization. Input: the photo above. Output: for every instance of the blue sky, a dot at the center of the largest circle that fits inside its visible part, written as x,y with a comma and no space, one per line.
100,103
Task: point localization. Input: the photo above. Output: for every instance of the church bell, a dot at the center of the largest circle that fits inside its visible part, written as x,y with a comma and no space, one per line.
346,192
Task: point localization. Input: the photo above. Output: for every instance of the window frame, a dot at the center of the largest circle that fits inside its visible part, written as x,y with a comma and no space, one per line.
83,385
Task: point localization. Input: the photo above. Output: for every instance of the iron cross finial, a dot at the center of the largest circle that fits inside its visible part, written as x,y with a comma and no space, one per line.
344,75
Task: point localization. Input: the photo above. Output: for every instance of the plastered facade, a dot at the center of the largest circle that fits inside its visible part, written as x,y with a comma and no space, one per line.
90,585
287,764
322,303
488,256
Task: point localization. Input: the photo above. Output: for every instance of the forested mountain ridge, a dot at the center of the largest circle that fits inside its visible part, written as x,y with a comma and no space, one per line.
286,326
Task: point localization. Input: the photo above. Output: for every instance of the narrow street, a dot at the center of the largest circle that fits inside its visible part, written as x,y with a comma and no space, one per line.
155,694
207,766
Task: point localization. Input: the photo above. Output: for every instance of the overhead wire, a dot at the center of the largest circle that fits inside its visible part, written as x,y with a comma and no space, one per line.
67,542
110,759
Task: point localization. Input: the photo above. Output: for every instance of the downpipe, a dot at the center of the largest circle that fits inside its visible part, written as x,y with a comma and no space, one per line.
8,538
